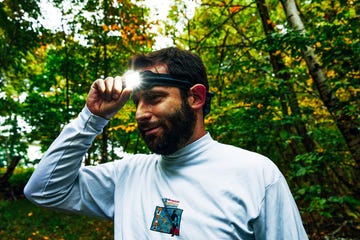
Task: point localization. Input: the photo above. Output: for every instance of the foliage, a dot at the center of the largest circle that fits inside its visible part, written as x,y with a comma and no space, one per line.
18,36
23,220
19,179
265,99
59,72
17,32
113,32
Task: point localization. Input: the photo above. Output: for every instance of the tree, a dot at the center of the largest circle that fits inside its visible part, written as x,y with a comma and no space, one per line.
347,123
281,70
18,35
96,40
114,32
265,100
341,110
272,95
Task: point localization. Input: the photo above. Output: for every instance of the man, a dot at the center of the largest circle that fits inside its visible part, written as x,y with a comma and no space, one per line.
192,187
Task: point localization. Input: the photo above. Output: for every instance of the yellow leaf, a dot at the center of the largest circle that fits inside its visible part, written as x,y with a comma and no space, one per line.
278,52
347,41
209,120
342,94
331,74
309,82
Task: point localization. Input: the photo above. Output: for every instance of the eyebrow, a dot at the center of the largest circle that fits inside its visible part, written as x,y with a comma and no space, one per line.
149,93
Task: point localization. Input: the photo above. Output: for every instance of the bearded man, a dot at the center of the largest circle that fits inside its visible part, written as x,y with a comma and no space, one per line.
190,187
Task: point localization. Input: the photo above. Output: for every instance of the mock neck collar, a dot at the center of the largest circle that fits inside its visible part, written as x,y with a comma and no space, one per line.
187,154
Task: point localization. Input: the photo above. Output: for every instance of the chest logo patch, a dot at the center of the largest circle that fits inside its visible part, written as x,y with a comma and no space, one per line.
167,218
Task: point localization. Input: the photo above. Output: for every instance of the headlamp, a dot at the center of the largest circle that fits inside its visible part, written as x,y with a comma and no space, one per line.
147,79
131,79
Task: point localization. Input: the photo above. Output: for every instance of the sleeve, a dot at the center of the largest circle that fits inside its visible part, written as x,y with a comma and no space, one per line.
59,181
279,216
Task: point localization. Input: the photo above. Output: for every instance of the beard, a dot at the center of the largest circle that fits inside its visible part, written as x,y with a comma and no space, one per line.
177,129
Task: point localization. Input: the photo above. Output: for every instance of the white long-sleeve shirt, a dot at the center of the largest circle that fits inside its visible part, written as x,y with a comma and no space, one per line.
220,191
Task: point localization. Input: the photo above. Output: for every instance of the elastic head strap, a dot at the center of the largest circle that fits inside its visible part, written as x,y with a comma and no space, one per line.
150,79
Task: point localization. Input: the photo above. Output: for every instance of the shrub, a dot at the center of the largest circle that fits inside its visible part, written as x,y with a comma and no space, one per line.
14,188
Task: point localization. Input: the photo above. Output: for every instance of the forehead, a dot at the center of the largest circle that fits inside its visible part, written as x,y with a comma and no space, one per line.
156,91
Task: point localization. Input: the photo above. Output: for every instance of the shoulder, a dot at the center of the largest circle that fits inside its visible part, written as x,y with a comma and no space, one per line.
245,162
239,154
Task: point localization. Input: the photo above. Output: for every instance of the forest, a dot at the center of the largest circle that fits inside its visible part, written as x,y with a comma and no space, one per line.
285,75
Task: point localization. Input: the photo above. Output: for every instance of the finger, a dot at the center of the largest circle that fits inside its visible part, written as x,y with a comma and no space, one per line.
109,84
99,86
117,87
125,94
124,97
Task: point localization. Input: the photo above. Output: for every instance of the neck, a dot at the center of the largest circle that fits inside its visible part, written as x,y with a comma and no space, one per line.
199,130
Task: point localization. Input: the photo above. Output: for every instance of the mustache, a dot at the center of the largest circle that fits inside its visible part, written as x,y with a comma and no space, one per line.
144,126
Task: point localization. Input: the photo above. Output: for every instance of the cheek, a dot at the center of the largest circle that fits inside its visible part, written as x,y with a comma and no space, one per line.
172,111
167,108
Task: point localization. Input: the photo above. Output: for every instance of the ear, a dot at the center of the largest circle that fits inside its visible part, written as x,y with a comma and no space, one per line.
197,96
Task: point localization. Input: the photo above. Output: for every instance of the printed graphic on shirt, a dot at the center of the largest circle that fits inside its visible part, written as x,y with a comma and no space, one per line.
167,220
170,202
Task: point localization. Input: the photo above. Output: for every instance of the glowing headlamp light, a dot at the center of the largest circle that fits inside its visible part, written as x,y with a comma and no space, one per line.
131,79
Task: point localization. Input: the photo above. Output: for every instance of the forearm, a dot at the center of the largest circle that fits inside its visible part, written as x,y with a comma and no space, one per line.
58,170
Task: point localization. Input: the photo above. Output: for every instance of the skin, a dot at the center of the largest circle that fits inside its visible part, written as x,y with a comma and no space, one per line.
156,108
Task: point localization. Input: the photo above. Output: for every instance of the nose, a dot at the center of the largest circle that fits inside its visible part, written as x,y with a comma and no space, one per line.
143,112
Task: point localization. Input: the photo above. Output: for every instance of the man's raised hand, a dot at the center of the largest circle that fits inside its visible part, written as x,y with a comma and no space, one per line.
107,97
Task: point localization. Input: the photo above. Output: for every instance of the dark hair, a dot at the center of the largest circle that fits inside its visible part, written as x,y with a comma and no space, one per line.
181,63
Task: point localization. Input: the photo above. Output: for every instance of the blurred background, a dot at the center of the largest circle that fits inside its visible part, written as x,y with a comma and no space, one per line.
285,75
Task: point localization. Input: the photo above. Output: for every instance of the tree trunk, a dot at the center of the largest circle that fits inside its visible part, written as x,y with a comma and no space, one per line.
6,191
346,124
105,133
279,67
9,170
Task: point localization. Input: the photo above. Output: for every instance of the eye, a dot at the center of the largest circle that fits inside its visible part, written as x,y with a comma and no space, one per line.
153,98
